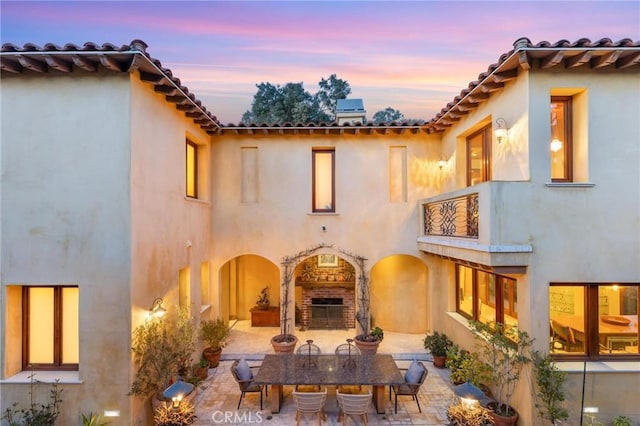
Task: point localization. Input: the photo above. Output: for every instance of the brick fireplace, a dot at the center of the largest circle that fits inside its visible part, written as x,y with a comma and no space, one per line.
334,306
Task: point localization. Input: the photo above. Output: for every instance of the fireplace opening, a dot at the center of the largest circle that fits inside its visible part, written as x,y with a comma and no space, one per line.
327,313
326,300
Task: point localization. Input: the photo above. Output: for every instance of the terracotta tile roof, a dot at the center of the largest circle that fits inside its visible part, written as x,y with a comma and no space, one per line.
601,54
92,57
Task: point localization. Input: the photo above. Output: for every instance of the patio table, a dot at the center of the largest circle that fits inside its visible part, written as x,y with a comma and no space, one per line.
376,370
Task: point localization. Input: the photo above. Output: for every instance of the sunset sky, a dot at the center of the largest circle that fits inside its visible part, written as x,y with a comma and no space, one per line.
414,56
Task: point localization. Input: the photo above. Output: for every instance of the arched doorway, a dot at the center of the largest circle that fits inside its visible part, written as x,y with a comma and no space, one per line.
399,294
241,282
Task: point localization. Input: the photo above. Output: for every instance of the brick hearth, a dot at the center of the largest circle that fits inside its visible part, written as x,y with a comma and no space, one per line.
346,294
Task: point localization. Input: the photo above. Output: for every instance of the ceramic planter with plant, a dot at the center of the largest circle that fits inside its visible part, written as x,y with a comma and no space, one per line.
214,335
263,301
549,383
368,343
437,344
504,349
160,347
201,369
465,366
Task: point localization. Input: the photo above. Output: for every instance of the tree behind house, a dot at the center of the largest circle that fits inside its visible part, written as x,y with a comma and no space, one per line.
291,103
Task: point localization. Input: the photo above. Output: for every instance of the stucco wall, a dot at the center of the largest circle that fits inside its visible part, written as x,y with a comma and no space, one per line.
65,200
579,233
280,223
170,232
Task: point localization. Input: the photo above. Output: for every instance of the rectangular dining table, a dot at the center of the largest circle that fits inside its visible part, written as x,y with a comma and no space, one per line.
377,370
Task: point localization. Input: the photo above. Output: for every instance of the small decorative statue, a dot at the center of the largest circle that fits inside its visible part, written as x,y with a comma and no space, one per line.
263,300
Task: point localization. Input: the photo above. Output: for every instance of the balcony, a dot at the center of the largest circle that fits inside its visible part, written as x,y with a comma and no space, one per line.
482,224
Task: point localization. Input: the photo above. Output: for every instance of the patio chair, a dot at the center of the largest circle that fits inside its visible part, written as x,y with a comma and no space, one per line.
310,403
243,374
346,349
564,337
353,405
414,377
308,349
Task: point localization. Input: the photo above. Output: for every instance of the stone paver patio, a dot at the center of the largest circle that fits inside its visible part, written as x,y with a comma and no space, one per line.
217,400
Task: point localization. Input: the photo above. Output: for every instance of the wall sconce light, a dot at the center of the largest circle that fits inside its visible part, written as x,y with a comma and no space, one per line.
502,130
111,413
156,308
555,145
441,163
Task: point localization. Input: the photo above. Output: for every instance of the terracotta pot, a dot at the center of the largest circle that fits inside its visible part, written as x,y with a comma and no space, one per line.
213,356
201,372
367,347
284,344
439,361
500,420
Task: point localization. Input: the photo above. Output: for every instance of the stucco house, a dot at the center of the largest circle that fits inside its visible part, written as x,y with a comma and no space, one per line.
518,202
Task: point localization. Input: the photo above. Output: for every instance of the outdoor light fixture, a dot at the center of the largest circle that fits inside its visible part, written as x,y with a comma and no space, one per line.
176,400
156,308
441,163
112,413
469,395
555,145
502,130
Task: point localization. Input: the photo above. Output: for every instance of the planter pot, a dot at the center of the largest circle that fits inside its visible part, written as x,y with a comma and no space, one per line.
201,372
213,356
367,347
439,361
284,343
500,420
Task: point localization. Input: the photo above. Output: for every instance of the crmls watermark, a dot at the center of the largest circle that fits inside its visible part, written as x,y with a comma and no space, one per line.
233,417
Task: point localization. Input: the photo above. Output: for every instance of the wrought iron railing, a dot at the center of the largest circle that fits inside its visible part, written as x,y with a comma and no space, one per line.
454,217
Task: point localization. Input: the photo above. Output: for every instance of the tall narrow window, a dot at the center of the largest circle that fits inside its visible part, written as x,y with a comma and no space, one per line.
51,321
479,156
486,297
323,180
561,139
192,169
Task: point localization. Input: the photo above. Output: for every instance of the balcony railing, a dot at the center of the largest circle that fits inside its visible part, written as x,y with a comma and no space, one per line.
454,217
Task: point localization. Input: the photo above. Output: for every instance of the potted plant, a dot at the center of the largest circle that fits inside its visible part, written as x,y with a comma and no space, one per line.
368,343
201,369
503,348
160,347
93,420
214,334
437,344
549,382
465,366
622,421
263,299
